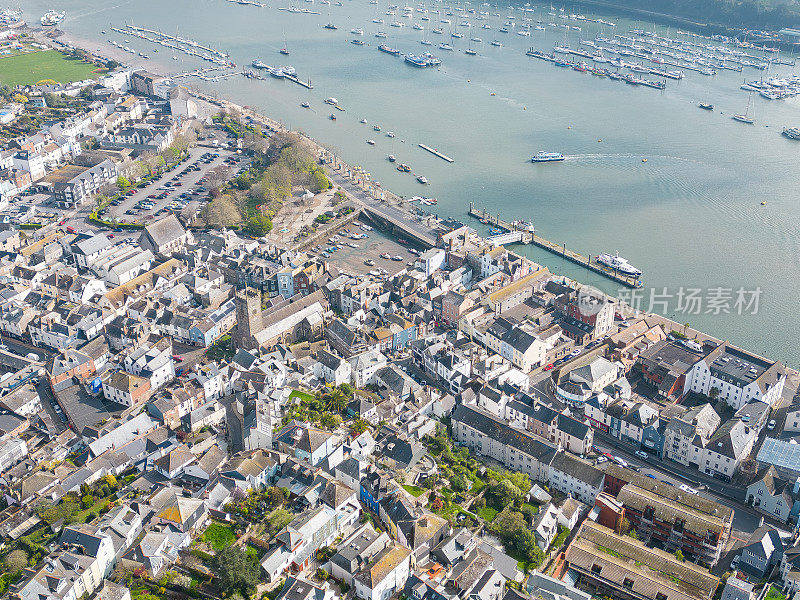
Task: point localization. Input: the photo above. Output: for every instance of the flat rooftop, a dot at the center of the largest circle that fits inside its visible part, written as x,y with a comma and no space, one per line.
65,174
671,356
738,364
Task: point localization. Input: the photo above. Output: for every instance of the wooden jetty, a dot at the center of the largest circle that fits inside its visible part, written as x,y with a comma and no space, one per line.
435,152
589,263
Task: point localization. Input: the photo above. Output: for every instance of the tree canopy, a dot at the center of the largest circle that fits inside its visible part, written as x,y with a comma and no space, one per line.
237,571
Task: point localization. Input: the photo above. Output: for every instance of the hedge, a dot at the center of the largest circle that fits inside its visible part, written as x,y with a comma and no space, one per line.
122,225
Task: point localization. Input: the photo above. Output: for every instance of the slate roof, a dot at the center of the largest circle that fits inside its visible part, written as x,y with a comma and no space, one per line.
297,589
730,439
96,243
764,542
572,427
312,439
164,231
579,469
497,429
329,360
336,493
351,467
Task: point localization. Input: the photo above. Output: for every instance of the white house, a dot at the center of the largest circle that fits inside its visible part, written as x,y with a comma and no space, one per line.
385,575
431,261
210,378
737,376
576,478
364,366
152,360
332,368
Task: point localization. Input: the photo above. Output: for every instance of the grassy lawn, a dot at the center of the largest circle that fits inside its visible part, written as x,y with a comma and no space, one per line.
414,490
101,503
774,594
487,513
302,395
532,507
219,536
27,69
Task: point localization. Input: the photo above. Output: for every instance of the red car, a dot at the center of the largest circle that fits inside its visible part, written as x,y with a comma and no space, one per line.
177,358
548,367
61,223
131,193
110,236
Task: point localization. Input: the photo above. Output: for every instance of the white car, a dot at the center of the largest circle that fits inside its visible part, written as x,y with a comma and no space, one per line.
689,490
771,425
575,352
601,460
641,454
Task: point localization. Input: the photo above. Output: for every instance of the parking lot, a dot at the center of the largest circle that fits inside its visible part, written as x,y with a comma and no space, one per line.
188,182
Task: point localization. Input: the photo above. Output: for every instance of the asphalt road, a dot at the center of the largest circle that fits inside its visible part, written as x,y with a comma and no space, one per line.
389,211
23,348
745,520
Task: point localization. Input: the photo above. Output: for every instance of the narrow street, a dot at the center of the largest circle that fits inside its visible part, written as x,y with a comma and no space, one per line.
746,519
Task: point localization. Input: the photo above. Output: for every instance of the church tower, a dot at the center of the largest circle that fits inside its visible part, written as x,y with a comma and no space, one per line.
248,318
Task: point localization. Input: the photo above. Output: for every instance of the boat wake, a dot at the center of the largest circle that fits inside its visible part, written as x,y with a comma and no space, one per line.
598,157
99,9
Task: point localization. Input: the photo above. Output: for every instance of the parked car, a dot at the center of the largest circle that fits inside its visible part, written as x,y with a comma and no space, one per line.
549,367
688,489
641,454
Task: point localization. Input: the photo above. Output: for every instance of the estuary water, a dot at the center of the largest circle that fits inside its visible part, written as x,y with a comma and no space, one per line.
691,217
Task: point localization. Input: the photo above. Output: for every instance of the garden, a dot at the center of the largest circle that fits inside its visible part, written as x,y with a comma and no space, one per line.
498,497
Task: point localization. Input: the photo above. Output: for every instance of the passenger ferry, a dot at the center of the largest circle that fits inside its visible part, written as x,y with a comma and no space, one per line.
616,262
543,156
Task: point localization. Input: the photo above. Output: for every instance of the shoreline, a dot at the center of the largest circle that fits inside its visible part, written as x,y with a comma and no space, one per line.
355,175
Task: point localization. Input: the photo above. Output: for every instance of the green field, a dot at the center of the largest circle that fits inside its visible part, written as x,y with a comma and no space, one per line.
27,69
